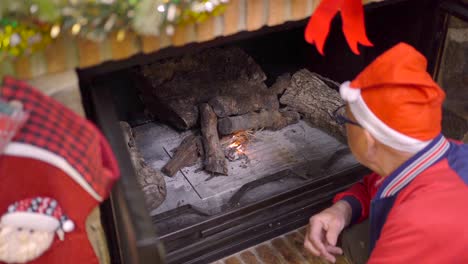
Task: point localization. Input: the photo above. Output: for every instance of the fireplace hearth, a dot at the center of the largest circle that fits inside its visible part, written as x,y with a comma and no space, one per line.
276,177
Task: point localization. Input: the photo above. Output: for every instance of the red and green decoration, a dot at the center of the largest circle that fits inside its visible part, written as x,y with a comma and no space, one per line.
30,25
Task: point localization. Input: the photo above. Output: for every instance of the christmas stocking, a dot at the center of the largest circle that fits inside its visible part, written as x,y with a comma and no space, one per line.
54,171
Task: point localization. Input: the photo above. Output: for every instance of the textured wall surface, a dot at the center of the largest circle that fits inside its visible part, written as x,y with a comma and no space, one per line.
453,73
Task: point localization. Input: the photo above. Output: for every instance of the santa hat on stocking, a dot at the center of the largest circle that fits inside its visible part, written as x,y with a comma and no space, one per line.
396,100
39,213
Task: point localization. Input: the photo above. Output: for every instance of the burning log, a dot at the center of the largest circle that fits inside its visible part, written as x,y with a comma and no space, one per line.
311,95
238,105
185,155
273,120
214,157
150,180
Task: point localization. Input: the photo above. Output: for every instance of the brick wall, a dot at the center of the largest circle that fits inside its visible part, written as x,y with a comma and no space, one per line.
286,249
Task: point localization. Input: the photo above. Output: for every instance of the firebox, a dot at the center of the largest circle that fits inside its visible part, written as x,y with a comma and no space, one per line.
227,143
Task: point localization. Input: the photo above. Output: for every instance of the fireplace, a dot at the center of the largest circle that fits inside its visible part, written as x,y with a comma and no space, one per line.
275,177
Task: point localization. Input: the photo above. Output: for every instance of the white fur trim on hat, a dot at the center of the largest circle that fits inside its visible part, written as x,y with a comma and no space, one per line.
349,94
68,225
30,220
378,129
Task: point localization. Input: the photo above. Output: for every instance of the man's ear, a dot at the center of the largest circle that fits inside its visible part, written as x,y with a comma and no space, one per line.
371,146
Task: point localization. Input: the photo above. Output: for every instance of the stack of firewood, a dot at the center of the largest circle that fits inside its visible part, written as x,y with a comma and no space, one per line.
225,115
221,92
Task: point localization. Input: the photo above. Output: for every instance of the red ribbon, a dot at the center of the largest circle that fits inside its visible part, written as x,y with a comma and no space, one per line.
352,14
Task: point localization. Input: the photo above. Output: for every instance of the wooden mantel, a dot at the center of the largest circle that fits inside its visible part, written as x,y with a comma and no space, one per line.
241,15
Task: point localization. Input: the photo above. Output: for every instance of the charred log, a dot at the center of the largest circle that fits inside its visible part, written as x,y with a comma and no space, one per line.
185,155
282,83
180,113
177,86
214,157
310,95
273,120
150,180
225,106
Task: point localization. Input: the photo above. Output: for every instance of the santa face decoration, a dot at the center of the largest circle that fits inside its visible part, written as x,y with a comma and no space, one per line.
28,229
20,245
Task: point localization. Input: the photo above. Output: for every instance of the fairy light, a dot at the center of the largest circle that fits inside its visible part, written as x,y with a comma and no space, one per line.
33,9
76,29
121,35
161,8
209,6
55,31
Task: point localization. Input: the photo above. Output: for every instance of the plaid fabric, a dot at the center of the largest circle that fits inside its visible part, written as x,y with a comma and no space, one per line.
54,127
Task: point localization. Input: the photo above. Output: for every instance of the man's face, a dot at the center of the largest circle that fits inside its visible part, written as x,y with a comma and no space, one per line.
356,139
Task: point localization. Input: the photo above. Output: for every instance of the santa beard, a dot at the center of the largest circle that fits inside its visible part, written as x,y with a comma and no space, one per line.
23,245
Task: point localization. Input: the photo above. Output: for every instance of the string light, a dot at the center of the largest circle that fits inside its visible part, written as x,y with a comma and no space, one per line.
170,30
55,31
121,35
171,12
76,29
209,6
161,8
15,39
33,9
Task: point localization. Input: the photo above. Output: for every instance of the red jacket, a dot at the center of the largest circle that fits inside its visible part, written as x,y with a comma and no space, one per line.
419,213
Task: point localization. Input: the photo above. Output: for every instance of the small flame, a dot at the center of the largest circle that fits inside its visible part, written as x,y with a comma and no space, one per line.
239,150
238,143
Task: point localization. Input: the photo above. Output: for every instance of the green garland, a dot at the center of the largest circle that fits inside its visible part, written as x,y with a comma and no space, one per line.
30,25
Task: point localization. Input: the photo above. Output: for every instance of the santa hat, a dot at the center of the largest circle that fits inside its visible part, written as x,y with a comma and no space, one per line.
39,213
396,100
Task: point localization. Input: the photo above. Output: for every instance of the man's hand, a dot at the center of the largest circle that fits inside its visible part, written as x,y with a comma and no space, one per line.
324,229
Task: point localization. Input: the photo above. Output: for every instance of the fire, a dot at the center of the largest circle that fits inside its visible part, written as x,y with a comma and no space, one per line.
236,148
239,149
235,144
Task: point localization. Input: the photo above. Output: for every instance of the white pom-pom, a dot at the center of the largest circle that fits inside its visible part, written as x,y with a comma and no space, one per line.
349,94
68,226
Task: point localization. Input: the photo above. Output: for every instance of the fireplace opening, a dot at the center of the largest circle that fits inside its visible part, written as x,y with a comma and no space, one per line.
222,139
278,155
273,145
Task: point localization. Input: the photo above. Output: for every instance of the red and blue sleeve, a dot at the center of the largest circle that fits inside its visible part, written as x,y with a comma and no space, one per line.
359,197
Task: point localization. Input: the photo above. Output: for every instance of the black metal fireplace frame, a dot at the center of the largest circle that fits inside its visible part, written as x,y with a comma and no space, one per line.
130,230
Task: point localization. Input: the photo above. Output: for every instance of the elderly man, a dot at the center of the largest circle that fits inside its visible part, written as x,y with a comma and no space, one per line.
417,198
